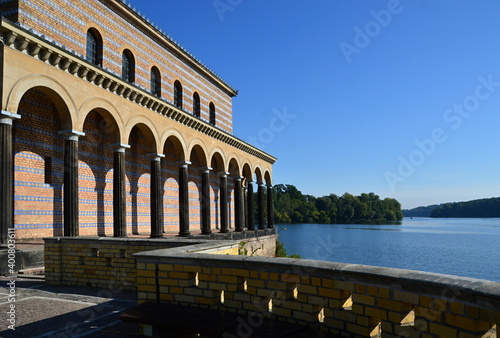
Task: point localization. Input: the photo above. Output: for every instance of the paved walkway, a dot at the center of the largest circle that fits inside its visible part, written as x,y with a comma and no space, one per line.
50,311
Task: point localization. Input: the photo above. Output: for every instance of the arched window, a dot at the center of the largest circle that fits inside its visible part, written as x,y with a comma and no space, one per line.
94,47
212,113
196,105
178,94
128,66
155,82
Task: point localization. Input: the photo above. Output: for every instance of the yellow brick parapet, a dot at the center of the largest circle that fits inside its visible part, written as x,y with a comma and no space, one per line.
357,300
109,263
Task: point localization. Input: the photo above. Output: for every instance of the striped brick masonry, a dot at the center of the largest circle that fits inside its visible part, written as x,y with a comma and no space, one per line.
6,174
84,181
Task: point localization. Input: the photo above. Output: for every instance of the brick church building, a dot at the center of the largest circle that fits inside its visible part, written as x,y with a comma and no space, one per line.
109,128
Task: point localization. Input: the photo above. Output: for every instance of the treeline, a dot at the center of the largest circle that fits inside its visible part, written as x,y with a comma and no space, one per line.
291,206
488,207
420,211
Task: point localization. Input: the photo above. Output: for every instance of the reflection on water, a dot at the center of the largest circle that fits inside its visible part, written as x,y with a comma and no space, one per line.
462,247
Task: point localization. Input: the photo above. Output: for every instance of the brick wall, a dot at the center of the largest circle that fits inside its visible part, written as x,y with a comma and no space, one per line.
137,172
105,263
67,23
96,177
109,262
170,175
38,168
341,299
194,193
214,200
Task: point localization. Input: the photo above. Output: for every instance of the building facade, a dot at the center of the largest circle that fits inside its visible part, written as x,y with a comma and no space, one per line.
110,128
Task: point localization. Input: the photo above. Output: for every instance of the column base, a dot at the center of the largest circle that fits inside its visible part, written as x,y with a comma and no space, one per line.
207,233
185,233
224,231
157,236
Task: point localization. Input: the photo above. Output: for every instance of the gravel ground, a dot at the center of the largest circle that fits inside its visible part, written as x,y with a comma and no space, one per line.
61,311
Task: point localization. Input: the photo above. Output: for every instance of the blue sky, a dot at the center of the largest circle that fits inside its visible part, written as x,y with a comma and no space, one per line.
399,98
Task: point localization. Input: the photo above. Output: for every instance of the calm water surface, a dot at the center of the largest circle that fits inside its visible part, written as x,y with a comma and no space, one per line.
462,247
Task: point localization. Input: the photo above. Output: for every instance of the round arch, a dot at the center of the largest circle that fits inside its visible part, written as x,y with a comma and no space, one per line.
147,128
247,171
258,173
53,89
114,123
217,156
201,150
268,178
234,167
178,140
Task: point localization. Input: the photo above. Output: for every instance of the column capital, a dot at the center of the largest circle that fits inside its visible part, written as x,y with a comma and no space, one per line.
184,164
250,181
223,173
238,178
156,157
7,117
120,147
71,135
206,169
269,185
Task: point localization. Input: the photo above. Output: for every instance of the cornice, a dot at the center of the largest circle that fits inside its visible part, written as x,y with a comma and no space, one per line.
48,52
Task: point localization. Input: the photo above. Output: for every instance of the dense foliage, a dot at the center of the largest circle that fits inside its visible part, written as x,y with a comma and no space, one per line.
420,211
488,207
291,206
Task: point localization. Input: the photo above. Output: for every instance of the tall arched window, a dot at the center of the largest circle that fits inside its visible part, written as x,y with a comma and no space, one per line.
196,105
155,81
128,66
94,47
178,94
212,113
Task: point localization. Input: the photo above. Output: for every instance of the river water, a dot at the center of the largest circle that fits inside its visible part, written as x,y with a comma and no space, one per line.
468,247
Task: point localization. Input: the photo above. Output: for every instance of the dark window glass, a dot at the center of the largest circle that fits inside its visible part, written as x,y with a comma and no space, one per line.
196,105
178,94
94,47
155,82
128,66
212,113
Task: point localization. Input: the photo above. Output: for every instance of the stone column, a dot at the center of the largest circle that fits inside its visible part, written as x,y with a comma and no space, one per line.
270,207
262,214
205,201
6,175
239,217
244,205
156,200
71,201
119,192
183,199
224,207
250,208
